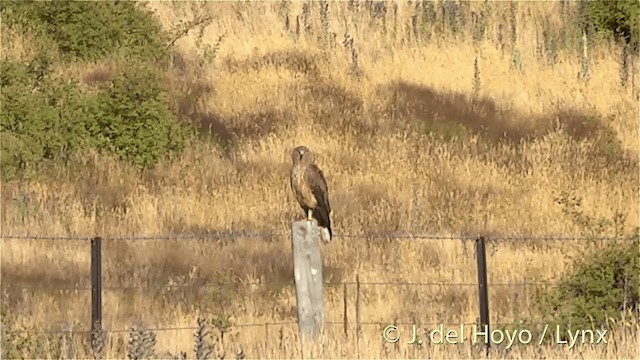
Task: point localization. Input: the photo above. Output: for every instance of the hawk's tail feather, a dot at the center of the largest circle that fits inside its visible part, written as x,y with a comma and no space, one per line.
324,222
325,234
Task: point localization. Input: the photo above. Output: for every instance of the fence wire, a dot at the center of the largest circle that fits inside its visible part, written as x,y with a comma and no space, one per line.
269,324
234,235
193,287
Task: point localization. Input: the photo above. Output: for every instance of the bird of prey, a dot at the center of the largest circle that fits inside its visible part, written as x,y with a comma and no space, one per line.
310,189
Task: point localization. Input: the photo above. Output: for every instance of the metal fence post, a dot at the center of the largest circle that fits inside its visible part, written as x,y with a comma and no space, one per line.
358,323
345,318
483,294
307,271
96,286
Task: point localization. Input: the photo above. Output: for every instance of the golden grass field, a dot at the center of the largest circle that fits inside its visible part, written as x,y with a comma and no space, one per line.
527,142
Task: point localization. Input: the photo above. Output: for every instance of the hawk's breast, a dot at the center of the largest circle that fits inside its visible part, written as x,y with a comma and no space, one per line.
301,188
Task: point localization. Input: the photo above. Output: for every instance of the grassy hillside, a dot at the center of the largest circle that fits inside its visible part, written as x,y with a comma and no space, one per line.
494,119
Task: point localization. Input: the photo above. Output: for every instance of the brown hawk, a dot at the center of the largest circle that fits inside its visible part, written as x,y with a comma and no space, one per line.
310,189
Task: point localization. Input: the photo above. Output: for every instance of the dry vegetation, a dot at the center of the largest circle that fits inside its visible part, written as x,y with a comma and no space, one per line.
374,119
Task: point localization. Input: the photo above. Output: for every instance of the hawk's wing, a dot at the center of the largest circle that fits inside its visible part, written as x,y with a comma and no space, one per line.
316,181
318,184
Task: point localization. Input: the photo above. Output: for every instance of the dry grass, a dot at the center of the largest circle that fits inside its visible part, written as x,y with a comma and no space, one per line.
529,137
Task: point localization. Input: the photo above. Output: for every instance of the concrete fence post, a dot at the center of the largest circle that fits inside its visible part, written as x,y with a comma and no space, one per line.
307,271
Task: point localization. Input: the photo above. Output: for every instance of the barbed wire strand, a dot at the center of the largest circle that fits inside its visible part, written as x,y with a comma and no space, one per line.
216,236
267,324
169,287
233,235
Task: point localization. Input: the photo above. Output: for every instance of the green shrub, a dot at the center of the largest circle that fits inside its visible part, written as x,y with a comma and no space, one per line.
45,117
605,280
616,17
134,119
603,285
91,29
42,117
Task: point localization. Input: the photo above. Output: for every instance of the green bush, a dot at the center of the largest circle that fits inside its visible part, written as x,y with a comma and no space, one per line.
604,284
134,119
45,117
42,117
91,29
616,17
605,280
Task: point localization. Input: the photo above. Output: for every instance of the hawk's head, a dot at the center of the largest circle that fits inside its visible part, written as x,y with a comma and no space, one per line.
301,154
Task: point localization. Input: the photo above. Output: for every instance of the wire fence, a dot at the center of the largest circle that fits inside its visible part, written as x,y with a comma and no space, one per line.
273,324
97,288
46,288
234,235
